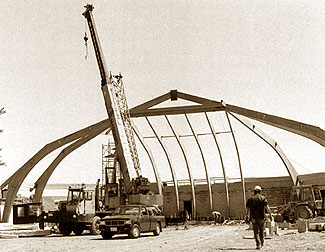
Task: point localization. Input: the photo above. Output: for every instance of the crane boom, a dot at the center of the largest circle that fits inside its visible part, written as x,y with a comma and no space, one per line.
117,110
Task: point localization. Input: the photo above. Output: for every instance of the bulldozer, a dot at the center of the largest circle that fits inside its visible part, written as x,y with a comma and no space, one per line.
307,201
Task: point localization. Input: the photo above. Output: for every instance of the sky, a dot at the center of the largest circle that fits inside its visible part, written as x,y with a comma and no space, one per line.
267,56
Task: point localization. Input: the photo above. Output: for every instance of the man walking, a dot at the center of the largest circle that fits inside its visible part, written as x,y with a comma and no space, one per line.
255,211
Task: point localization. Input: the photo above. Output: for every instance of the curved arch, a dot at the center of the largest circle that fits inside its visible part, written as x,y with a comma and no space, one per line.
15,181
154,166
43,179
203,159
169,163
222,164
187,166
239,162
291,170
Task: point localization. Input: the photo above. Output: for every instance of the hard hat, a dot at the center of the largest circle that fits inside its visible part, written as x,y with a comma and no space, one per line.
257,188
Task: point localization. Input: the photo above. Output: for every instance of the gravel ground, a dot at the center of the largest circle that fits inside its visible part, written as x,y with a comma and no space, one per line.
172,239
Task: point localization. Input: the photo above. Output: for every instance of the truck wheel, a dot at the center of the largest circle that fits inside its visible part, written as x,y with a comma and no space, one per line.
303,212
134,231
94,228
65,228
157,229
106,235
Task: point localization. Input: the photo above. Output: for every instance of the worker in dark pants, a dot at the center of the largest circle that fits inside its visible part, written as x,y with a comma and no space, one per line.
255,212
185,218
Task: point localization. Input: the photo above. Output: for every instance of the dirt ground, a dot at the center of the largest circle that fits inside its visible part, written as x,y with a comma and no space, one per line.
172,239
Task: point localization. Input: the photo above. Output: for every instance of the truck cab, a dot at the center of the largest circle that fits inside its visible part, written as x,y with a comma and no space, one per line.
75,214
80,201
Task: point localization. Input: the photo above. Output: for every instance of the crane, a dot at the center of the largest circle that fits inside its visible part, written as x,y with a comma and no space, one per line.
119,117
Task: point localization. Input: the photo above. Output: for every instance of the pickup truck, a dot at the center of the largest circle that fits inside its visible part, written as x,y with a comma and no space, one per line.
132,220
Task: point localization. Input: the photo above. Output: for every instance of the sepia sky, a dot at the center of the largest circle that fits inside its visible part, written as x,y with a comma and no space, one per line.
267,56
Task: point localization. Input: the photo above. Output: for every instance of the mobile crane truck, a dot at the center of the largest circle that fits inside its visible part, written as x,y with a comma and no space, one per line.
84,208
128,191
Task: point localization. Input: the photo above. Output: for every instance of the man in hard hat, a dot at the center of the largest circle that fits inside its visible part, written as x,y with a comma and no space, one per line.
255,212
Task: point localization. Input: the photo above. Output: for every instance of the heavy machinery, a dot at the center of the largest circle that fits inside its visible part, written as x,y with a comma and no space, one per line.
125,158
307,201
77,213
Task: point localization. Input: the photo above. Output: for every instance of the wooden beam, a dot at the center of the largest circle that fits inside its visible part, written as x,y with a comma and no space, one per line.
177,110
306,130
15,181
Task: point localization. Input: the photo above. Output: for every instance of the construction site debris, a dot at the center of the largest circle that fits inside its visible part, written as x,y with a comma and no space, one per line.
8,231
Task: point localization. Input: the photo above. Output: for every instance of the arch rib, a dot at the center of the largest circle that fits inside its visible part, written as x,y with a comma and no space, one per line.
222,164
239,163
149,153
187,166
291,170
15,181
43,179
169,163
204,163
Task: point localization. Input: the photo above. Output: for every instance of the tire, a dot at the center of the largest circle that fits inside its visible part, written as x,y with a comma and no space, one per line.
134,231
157,229
106,235
65,228
94,228
278,218
303,212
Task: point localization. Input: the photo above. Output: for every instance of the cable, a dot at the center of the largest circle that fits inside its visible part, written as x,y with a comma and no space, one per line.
300,165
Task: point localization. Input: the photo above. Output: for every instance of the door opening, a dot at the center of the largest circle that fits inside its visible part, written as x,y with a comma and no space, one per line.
188,207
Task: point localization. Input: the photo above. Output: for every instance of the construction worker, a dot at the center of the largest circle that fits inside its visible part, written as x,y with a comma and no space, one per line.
216,217
185,218
255,212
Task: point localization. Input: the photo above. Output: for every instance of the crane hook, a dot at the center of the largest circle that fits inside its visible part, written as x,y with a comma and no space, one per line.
86,45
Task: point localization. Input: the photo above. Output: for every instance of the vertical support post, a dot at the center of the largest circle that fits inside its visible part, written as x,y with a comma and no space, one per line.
222,165
187,166
239,163
203,159
172,170
149,153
